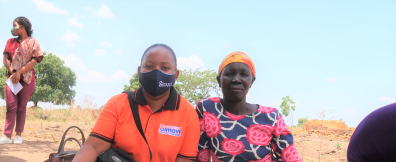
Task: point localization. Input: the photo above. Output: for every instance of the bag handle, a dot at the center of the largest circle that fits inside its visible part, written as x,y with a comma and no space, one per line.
135,112
64,143
64,136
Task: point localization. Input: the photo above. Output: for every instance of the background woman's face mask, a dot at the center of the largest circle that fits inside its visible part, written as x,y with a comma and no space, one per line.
156,82
14,30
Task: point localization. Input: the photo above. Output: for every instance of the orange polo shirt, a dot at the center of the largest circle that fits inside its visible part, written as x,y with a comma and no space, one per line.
172,131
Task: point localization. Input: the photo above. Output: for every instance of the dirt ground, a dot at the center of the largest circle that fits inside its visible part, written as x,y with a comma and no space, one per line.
37,144
310,147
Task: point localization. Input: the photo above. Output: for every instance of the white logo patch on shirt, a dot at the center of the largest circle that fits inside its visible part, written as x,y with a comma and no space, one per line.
170,130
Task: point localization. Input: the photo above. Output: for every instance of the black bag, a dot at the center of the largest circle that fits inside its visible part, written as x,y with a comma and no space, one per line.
65,156
118,155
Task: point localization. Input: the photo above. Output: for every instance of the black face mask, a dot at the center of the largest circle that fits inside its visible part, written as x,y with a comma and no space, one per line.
156,82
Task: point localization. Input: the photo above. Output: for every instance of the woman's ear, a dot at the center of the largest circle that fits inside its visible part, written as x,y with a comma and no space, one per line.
176,75
139,71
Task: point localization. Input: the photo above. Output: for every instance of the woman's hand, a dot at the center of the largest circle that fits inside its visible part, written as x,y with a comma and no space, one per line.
91,149
16,77
10,70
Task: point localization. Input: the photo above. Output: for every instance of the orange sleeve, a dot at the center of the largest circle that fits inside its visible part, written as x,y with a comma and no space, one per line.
106,123
189,149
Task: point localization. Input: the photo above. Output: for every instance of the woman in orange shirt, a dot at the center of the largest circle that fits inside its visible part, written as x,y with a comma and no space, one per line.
169,121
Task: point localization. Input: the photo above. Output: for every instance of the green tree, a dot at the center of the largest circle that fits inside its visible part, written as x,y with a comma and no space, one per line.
3,78
197,84
301,121
287,107
133,83
54,81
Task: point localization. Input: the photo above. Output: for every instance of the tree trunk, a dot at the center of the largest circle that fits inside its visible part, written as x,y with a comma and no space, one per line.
35,103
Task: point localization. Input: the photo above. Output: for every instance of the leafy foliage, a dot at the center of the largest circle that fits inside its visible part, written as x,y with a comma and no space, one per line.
194,85
301,121
337,145
54,81
3,78
287,106
133,83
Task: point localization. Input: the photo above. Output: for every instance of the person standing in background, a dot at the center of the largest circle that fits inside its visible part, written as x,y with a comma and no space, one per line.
19,57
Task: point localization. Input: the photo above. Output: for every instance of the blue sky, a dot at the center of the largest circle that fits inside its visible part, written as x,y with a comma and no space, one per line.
338,55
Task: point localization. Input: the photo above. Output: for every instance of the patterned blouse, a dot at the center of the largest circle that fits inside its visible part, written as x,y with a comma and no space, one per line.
21,53
259,137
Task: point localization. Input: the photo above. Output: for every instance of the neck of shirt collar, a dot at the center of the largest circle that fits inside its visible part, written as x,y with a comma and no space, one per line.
172,103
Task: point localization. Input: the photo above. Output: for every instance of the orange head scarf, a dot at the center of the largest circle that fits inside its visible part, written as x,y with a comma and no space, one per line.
237,57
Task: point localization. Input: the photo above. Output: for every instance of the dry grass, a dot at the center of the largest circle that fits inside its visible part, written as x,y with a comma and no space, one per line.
75,115
86,114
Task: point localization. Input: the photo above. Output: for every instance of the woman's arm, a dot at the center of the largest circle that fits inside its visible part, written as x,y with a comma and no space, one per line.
282,142
180,159
7,62
92,148
27,67
17,75
104,127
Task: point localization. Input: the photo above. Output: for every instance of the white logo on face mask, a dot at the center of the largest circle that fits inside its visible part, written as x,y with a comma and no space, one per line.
162,84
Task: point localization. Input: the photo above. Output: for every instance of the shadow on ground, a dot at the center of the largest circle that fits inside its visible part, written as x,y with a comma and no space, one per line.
10,158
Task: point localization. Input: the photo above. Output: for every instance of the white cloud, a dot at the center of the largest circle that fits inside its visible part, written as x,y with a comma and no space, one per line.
73,22
385,99
137,61
74,62
46,6
100,52
107,44
193,62
103,12
227,45
94,76
120,76
331,79
69,38
118,52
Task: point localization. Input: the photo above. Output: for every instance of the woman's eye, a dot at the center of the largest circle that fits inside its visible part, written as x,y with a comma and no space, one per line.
244,74
165,68
149,67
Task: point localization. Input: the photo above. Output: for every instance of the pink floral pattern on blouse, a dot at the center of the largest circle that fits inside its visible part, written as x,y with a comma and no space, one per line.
22,53
258,137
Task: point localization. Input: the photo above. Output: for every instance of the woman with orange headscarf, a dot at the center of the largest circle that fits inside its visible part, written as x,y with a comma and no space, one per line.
234,130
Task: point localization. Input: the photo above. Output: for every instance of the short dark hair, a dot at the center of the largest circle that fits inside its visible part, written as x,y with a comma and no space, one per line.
162,45
26,23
